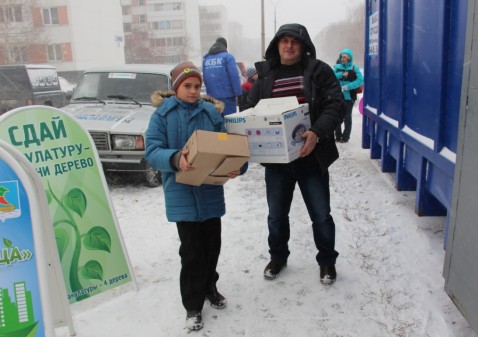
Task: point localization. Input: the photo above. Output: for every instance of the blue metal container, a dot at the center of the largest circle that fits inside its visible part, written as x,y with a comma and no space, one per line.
413,77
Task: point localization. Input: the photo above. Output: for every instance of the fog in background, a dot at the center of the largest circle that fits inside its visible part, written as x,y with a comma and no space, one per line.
332,25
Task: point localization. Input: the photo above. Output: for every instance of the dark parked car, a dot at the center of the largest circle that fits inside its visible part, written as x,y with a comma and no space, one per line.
29,84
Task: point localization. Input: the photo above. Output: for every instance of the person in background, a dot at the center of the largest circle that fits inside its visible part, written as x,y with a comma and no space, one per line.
291,69
350,78
197,210
221,76
251,75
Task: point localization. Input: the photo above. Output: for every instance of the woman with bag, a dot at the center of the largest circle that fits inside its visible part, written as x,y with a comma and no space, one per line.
351,79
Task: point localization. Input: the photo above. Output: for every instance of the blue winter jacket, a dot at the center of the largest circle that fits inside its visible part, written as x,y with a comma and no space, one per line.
169,129
339,69
220,73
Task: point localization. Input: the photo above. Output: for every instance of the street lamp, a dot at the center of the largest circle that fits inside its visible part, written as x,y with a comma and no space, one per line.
263,33
275,4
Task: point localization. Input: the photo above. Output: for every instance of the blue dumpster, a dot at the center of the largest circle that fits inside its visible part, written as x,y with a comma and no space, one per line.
413,75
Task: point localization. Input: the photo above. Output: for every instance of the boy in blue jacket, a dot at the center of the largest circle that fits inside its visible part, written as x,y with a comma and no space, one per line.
197,210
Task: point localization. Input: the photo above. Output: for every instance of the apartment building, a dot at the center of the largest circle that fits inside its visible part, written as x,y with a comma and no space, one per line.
213,22
161,31
75,35
71,35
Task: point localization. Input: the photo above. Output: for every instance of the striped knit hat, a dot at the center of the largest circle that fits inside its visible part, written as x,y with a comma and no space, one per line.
183,71
251,72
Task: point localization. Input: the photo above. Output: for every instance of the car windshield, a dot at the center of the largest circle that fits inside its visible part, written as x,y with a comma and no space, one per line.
13,80
138,86
43,79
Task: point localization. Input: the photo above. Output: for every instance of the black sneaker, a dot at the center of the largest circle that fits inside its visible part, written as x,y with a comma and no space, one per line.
327,274
216,299
194,320
343,140
273,269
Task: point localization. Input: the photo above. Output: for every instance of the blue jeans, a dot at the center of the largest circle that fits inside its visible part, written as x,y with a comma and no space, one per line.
314,186
230,105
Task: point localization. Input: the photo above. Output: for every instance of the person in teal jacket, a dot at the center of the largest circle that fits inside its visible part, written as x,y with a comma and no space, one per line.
350,78
197,210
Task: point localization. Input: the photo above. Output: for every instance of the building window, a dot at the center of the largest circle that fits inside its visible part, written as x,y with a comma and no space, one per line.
141,2
54,52
177,6
127,27
50,16
153,25
166,25
154,7
142,18
126,10
169,59
163,25
169,6
177,24
20,54
211,27
11,14
158,43
168,42
178,41
214,15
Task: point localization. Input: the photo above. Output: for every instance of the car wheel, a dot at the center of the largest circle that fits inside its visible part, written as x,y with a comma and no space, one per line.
153,178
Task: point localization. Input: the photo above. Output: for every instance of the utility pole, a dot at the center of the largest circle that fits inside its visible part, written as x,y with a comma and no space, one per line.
275,4
263,33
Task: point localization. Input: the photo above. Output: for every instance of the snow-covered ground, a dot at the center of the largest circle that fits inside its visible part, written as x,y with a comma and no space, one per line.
389,281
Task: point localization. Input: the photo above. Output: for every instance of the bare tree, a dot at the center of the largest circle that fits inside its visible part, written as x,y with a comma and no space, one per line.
21,31
185,49
137,47
349,33
141,47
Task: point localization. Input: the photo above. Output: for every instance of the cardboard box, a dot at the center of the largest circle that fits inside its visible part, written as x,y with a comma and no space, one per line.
274,128
213,155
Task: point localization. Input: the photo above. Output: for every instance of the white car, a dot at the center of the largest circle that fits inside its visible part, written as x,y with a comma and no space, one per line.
114,105
67,88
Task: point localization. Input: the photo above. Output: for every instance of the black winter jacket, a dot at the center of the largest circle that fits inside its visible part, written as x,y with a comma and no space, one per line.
322,93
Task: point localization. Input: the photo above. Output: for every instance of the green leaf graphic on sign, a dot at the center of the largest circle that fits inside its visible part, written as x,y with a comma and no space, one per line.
76,201
92,270
49,198
98,238
62,239
25,331
7,243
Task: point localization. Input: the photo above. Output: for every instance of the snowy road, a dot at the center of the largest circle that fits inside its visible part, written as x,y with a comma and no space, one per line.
389,282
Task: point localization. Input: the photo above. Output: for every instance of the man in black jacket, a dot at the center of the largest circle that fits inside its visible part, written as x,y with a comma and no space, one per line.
291,69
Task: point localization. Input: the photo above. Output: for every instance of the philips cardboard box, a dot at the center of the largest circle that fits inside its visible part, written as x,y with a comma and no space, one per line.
274,128
213,155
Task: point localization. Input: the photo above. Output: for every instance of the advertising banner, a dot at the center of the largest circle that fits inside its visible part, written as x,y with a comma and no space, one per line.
91,250
20,300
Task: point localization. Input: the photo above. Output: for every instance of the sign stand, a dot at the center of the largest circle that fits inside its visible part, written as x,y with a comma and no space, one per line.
54,305
88,238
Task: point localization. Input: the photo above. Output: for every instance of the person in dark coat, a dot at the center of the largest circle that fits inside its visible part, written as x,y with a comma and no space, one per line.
291,69
221,76
197,210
